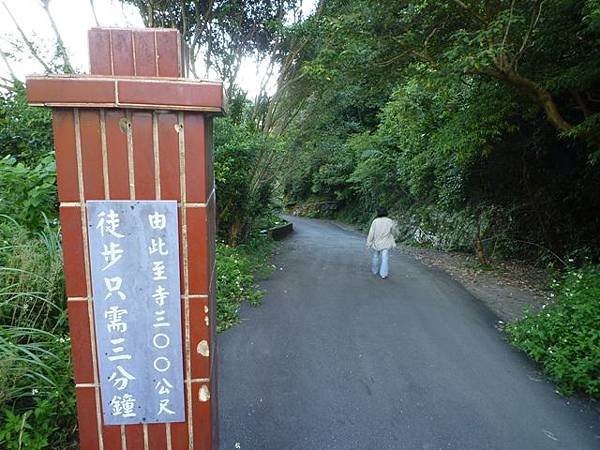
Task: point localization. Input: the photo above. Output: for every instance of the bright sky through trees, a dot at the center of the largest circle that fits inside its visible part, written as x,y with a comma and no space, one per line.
74,18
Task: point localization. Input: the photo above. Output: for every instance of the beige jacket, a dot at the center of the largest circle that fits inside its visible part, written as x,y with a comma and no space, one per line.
381,234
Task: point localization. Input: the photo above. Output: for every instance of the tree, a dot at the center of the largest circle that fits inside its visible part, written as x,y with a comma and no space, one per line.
57,63
546,50
222,31
472,121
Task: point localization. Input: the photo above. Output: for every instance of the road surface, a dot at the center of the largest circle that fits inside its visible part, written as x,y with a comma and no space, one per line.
337,358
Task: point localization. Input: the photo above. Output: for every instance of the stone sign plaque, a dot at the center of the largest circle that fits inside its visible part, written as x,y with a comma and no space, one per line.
134,260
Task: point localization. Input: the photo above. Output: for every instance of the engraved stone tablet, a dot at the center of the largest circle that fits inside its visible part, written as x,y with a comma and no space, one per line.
134,259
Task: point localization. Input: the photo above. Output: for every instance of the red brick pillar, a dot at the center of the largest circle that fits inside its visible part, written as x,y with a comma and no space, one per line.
134,130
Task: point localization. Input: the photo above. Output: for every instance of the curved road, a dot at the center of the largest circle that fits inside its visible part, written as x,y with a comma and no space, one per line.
336,358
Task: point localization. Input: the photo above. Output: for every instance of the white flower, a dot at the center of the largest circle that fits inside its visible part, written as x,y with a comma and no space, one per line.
34,391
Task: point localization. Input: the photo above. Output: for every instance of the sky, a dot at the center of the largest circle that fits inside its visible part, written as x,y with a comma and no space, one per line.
74,18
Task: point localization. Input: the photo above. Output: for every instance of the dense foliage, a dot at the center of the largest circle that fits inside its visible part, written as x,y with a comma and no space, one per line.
476,125
28,192
25,133
243,196
27,169
565,337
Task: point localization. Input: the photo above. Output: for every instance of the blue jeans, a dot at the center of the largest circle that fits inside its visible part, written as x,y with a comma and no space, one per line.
381,256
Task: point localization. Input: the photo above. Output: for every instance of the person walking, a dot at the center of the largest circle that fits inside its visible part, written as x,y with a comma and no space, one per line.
381,241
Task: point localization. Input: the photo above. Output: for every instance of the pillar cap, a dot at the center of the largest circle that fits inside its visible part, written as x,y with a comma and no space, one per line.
95,91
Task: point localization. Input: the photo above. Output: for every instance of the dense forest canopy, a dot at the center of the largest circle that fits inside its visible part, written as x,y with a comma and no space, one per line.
476,122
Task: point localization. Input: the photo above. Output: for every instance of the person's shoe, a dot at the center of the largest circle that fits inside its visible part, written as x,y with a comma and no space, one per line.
384,278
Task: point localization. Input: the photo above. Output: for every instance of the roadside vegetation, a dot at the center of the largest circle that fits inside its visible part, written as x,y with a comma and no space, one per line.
565,337
37,396
238,269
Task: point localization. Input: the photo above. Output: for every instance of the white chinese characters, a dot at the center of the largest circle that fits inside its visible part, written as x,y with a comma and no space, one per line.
115,313
135,263
161,339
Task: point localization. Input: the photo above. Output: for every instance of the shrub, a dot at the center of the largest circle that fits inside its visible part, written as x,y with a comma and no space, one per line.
28,192
243,194
27,166
236,282
25,131
565,336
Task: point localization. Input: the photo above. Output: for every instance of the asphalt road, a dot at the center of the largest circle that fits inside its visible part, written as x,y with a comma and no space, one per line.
337,358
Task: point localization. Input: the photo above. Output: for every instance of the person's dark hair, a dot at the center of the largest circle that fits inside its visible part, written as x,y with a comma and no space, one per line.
382,212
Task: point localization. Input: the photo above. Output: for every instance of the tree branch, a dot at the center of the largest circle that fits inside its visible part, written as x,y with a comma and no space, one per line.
202,22
471,11
7,63
425,57
581,104
510,15
61,45
93,6
291,117
534,91
393,60
533,21
29,44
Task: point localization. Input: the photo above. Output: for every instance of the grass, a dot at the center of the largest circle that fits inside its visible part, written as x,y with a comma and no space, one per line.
37,404
238,269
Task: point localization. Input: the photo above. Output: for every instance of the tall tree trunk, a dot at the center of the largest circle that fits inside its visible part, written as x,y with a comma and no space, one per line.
234,232
478,244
